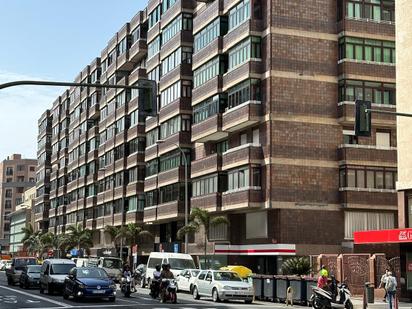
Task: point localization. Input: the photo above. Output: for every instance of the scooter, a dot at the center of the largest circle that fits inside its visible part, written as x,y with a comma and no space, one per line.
126,286
341,299
170,291
155,288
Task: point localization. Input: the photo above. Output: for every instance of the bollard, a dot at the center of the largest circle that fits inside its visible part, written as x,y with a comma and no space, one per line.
364,300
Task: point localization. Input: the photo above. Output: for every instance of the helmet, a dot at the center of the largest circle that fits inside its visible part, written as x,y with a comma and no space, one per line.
157,267
324,273
164,266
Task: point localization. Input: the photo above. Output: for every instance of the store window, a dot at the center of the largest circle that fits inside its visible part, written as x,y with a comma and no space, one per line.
364,221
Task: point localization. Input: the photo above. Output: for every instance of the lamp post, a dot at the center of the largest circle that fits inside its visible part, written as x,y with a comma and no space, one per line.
160,141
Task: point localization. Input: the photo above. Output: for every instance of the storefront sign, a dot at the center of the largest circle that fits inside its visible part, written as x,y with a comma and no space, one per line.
383,236
266,249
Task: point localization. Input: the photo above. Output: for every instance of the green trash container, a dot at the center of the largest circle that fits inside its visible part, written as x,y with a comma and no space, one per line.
299,293
370,292
269,287
281,288
258,286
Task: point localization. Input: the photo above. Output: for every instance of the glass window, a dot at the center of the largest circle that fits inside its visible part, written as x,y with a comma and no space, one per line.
248,90
367,49
383,139
239,14
154,16
238,179
170,94
153,47
378,93
208,34
206,72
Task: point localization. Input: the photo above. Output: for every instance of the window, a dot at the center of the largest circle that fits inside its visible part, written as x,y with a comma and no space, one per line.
173,160
244,51
248,90
209,108
174,125
243,139
171,193
137,145
208,34
152,167
239,14
151,198
256,225
170,94
9,193
383,139
378,93
153,47
238,179
205,185
154,16
136,203
182,22
366,177
122,47
363,221
7,204
9,171
366,49
180,55
207,71
222,147
167,4
376,10
151,137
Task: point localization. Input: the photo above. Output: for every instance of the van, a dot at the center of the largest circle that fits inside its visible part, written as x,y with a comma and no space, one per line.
52,274
16,268
177,261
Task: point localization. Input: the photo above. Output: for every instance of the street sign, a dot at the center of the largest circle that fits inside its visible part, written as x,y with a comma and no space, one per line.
176,248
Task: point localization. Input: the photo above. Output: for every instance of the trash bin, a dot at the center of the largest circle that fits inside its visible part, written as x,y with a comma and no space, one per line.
370,292
299,294
281,287
258,286
309,283
269,288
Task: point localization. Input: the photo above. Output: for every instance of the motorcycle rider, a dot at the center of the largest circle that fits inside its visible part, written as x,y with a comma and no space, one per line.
126,271
323,279
155,285
165,274
157,273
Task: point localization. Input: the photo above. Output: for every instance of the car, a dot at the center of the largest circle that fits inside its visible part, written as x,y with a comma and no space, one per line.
16,267
3,264
53,273
185,279
30,277
7,265
89,282
222,285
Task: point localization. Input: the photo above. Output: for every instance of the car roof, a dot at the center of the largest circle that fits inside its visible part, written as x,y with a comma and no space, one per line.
170,255
59,261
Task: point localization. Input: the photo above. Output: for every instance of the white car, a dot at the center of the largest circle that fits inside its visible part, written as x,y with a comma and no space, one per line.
222,285
185,279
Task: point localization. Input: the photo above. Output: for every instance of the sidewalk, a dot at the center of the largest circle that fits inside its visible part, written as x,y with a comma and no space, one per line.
357,303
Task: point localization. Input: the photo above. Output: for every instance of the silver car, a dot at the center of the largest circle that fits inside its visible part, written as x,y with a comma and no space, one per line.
185,279
222,285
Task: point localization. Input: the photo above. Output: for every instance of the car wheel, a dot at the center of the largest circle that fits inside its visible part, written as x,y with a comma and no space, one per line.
196,293
215,296
41,289
112,299
21,284
9,280
50,290
248,301
65,294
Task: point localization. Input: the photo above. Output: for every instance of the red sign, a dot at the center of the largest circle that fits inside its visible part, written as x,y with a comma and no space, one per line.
383,236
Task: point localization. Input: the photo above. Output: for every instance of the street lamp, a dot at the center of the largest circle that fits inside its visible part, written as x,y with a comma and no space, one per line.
160,141
103,169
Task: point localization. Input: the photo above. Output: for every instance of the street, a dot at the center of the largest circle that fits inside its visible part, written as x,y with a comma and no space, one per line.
15,297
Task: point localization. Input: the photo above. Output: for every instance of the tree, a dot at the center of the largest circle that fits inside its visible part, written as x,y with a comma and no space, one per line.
79,237
33,244
201,218
55,242
296,266
28,231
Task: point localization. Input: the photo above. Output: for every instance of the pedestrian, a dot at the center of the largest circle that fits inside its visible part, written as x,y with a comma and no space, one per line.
390,287
383,283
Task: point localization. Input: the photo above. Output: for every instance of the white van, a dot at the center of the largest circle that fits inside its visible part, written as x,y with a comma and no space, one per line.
177,261
52,274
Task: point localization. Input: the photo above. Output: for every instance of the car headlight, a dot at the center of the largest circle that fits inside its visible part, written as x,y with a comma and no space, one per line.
113,286
226,287
82,286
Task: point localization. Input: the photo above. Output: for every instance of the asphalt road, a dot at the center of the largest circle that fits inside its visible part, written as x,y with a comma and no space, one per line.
12,297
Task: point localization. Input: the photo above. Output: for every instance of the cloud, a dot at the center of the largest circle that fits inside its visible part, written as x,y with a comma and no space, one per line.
20,109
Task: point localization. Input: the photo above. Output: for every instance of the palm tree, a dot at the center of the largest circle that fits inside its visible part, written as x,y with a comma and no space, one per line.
201,218
55,242
79,237
28,231
33,244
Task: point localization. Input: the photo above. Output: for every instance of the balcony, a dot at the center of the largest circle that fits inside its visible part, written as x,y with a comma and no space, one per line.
348,67
367,26
241,32
346,114
135,159
124,63
100,223
91,201
208,89
211,202
208,52
137,74
117,219
185,69
134,188
153,32
170,211
151,123
206,165
138,51
367,153
150,214
179,106
136,131
151,152
181,139
242,116
242,155
152,62
134,217
182,38
251,69
206,14
91,224
369,198
150,183
247,198
94,112
208,130
172,176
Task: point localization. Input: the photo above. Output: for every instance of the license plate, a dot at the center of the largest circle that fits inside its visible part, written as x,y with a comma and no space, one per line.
98,291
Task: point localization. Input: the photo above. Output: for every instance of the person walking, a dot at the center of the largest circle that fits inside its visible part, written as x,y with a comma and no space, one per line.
390,287
384,278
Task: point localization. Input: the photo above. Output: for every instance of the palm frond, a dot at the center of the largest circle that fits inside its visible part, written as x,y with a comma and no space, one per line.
219,220
192,227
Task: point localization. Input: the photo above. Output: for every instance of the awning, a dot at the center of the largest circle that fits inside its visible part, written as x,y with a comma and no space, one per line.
383,236
265,249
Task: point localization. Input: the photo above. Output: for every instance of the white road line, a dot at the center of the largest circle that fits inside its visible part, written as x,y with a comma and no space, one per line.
37,296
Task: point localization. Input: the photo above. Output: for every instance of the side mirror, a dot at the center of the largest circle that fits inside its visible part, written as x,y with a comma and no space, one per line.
209,279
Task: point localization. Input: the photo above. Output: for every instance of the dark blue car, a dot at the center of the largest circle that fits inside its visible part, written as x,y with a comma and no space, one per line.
89,282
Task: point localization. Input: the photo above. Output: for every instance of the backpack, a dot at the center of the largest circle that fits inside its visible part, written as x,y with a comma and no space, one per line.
391,284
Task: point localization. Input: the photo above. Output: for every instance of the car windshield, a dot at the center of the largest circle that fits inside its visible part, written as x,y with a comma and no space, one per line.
24,262
61,269
195,273
97,273
112,263
226,276
181,264
33,269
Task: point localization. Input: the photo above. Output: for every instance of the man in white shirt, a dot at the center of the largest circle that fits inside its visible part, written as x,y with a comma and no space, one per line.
383,282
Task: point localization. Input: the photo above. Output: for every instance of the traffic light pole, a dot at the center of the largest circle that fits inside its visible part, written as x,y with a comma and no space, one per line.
387,112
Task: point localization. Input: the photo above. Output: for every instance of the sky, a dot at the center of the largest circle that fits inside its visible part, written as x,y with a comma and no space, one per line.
48,40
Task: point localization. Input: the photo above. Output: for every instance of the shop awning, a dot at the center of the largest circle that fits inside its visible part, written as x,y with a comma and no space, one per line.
264,249
383,236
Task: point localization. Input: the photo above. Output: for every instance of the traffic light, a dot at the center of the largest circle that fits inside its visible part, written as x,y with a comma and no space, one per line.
363,118
148,97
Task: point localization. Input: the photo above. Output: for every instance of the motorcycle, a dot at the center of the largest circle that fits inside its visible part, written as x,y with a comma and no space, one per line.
338,299
126,286
170,290
155,288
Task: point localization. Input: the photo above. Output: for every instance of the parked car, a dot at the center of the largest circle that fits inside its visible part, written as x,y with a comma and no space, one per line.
30,277
3,264
222,285
140,275
16,267
186,278
89,282
8,265
177,261
52,274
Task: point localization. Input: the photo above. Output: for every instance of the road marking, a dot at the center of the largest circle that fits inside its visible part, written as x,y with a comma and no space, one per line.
36,296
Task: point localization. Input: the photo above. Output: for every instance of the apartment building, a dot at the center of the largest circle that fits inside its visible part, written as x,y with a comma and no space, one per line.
258,97
16,175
